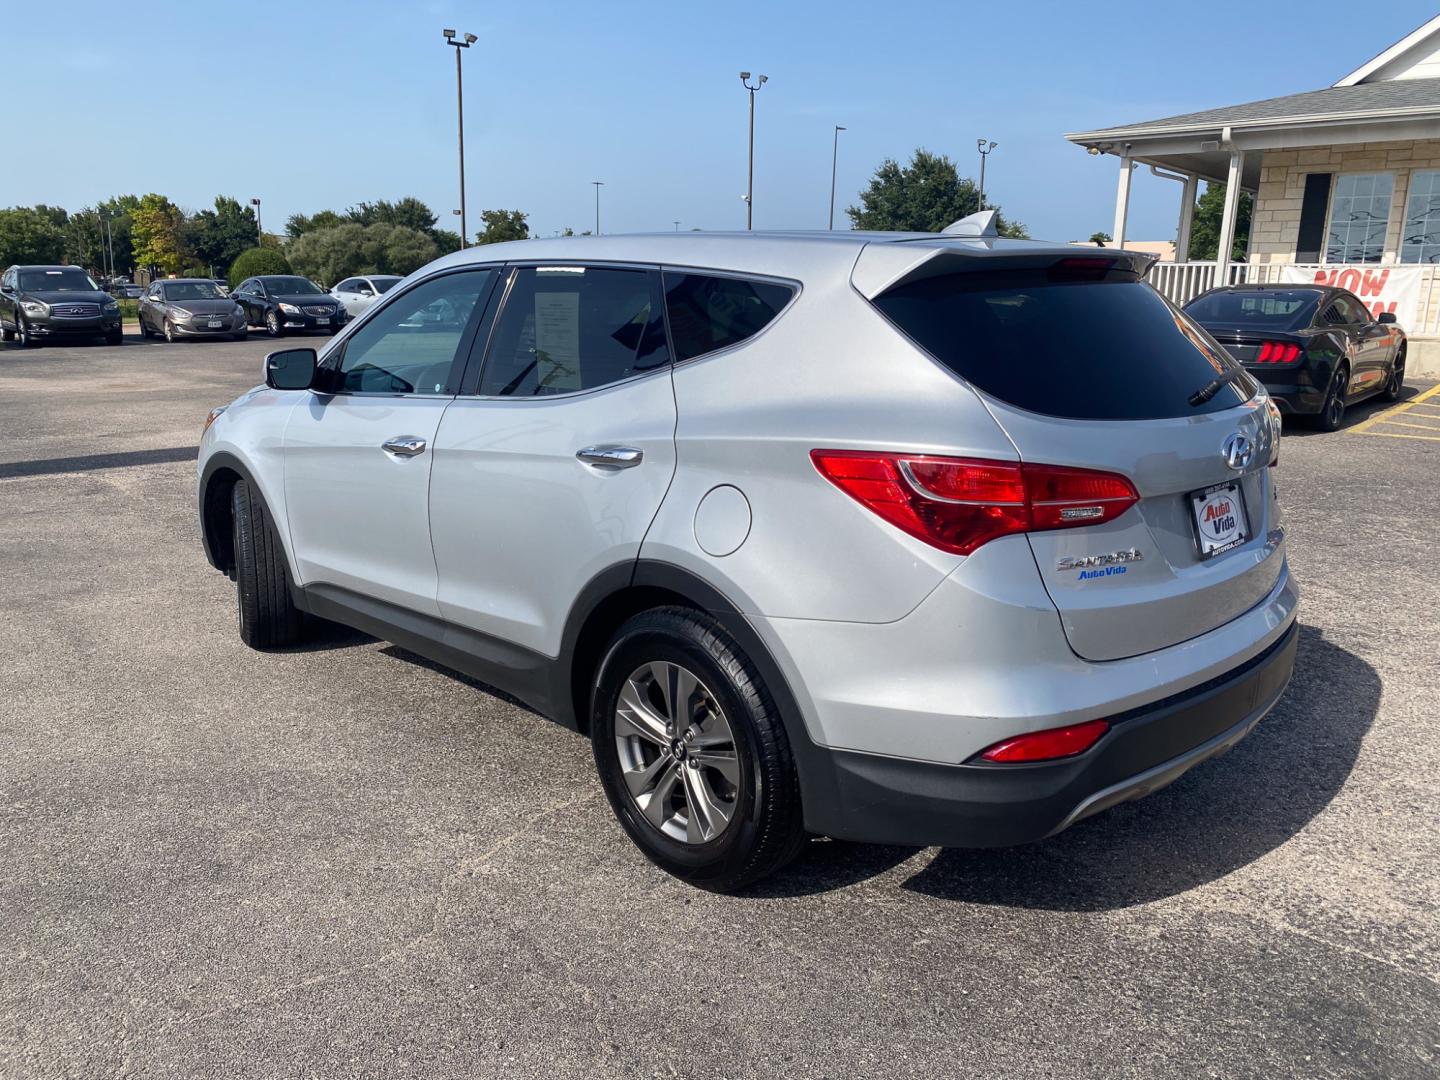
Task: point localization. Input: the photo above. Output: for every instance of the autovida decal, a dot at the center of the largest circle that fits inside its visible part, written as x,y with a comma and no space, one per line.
1108,564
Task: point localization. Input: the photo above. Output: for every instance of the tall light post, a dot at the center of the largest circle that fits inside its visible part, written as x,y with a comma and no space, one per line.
750,185
677,226
259,232
984,149
834,158
460,43
598,185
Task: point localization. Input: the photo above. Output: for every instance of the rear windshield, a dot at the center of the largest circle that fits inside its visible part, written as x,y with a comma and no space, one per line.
1289,309
1084,349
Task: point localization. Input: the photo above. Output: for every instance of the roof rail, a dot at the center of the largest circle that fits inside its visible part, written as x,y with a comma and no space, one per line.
981,224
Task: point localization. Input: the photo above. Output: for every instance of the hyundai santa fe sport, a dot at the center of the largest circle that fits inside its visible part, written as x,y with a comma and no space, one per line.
923,539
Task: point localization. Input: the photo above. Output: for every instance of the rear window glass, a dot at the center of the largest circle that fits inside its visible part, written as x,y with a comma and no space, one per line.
1086,350
709,313
1287,310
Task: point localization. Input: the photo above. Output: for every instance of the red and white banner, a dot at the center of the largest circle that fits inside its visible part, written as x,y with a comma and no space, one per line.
1383,288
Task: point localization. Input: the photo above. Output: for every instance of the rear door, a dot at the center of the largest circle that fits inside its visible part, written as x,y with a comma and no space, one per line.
552,468
1098,372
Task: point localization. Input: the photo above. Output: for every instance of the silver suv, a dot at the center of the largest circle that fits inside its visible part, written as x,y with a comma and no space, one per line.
914,539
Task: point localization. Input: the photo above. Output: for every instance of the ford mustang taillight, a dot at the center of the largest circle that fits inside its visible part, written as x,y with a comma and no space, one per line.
958,504
1278,352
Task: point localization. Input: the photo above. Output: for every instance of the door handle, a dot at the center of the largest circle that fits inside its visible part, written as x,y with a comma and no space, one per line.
404,446
614,457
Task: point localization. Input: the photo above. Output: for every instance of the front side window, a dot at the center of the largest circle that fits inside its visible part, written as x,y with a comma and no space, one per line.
569,328
712,312
1359,212
409,346
1420,232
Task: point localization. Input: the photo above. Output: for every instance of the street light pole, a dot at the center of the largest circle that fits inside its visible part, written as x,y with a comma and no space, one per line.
834,157
750,184
465,43
598,185
984,153
259,232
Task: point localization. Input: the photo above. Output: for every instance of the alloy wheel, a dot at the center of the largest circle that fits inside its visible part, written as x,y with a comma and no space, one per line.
169,332
1397,376
22,332
677,752
272,324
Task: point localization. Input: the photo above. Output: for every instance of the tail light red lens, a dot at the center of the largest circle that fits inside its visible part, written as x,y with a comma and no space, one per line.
1278,352
959,504
1061,742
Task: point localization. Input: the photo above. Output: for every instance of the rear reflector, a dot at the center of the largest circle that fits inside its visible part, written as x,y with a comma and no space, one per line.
958,504
1278,352
1061,742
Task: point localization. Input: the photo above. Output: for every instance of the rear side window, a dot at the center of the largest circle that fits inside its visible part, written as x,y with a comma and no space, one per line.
1082,349
1289,309
569,328
709,313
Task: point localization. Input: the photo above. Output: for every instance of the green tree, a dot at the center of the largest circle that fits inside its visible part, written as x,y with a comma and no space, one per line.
299,224
924,196
1205,225
218,236
503,225
445,240
116,211
1100,239
258,261
29,236
158,233
331,254
409,212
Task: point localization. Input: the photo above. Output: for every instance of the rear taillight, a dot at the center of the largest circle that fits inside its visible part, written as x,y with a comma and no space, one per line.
1278,352
1061,742
958,504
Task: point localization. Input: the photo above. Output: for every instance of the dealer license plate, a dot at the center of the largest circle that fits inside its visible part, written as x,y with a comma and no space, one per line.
1220,522
322,322
215,324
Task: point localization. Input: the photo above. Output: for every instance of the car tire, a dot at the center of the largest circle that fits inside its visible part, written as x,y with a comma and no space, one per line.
169,332
22,334
268,617
731,756
1396,385
116,338
272,324
1332,412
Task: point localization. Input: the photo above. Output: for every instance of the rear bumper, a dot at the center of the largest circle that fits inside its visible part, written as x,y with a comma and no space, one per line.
1294,391
889,800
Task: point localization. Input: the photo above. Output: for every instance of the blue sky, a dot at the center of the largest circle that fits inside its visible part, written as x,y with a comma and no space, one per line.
312,106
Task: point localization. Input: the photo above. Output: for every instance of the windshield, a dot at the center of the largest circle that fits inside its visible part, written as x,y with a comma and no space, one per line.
1111,349
69,280
290,286
384,284
192,290
1287,309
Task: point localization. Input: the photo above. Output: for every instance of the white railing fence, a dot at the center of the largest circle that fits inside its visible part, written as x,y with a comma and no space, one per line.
1182,282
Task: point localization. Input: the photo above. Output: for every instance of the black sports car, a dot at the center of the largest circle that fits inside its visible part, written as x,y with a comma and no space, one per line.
1316,349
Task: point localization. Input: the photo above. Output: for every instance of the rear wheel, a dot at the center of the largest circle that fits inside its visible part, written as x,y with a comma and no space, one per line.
267,613
692,752
6,334
1332,413
1396,386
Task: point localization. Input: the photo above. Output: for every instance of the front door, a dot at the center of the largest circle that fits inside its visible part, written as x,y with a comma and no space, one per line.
358,458
554,471
1372,345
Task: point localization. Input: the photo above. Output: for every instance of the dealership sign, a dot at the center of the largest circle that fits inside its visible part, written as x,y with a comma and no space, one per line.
1395,289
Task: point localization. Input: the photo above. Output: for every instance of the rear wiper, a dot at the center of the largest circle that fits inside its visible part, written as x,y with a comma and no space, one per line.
1214,386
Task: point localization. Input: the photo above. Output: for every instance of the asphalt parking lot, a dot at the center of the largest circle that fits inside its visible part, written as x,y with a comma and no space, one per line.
342,861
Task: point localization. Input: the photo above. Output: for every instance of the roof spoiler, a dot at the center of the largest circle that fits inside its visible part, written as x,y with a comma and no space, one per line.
882,267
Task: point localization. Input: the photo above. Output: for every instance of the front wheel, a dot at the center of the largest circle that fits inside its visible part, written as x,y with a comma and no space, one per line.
1396,386
692,752
267,613
116,337
23,337
272,324
169,332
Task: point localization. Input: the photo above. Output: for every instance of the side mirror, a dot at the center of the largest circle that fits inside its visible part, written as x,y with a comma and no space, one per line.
290,369
1386,317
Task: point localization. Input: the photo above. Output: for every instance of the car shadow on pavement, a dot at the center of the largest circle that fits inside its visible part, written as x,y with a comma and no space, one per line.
1214,820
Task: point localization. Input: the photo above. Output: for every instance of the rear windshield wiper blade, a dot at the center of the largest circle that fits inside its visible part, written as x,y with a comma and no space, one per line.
1214,386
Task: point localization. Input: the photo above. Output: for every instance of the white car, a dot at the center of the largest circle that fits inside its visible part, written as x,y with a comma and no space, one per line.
358,293
907,538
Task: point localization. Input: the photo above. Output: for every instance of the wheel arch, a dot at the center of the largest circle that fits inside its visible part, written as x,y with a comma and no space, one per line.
217,480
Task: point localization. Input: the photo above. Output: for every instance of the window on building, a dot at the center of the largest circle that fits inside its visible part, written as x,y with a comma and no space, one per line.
1359,212
1420,232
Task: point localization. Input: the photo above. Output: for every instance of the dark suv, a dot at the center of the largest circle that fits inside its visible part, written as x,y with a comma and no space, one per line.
42,303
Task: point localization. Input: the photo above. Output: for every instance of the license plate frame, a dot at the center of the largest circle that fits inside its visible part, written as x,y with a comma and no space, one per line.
1208,546
322,320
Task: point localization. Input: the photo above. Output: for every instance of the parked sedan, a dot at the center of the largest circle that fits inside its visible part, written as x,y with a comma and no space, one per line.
1316,349
286,303
358,293
189,307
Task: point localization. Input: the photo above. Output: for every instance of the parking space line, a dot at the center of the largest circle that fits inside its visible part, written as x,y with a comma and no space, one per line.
1365,425
1397,435
1418,427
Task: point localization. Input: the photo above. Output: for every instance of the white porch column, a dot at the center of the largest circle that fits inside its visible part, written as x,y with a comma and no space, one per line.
1187,215
1227,218
1122,201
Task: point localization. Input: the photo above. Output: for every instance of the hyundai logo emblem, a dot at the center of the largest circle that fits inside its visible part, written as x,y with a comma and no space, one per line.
1237,451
